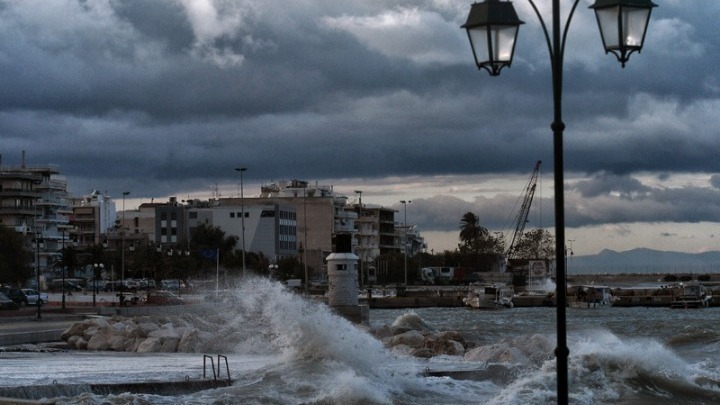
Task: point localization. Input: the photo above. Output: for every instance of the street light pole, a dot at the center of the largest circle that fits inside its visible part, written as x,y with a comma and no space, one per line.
97,270
122,252
405,238
39,243
62,268
492,28
242,213
360,250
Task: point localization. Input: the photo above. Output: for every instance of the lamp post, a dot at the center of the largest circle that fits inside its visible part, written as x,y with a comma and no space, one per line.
492,28
242,213
97,270
360,245
305,232
568,253
62,268
39,244
122,250
405,238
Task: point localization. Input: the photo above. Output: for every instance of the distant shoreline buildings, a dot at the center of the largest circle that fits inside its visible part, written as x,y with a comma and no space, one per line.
288,219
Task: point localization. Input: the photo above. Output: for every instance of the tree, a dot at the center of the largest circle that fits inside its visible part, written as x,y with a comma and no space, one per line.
470,229
536,244
207,241
475,238
14,258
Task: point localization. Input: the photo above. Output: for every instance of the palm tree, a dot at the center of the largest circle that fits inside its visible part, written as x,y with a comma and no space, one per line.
473,237
470,228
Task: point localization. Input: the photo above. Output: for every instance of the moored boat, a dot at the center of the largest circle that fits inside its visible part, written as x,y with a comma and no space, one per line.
690,296
489,297
592,296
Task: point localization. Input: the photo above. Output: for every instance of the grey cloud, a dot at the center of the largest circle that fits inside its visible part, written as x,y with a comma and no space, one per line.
151,97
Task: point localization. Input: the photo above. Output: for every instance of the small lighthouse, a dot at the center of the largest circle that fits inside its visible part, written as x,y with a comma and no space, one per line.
343,281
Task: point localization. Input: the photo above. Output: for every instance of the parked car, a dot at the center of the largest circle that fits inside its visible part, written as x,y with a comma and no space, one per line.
117,286
57,286
163,297
15,294
98,285
171,284
32,296
7,303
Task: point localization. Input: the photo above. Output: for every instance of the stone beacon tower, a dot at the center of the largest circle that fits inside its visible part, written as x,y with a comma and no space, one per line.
342,267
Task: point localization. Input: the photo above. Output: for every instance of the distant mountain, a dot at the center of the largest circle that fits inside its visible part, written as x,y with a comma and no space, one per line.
643,260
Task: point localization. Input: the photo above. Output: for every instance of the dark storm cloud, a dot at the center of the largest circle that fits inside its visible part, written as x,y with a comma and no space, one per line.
168,96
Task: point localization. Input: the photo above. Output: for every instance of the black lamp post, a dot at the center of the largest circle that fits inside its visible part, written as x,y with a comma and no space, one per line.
39,244
122,250
405,238
492,30
242,213
97,270
62,267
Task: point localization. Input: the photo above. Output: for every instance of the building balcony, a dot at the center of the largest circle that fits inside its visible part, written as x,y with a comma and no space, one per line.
12,192
27,211
61,219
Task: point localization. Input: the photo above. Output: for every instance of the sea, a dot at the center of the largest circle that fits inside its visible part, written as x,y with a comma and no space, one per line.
285,349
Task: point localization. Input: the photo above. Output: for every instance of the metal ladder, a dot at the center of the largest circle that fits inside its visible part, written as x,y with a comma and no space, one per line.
216,375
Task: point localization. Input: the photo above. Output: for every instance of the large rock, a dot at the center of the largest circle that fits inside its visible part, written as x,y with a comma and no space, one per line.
117,341
497,353
77,342
439,346
523,350
149,345
190,341
147,327
100,340
412,321
76,329
412,338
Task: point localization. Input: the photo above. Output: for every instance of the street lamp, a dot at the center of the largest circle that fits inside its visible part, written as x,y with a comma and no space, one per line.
122,250
62,268
242,213
362,252
405,239
39,244
492,30
97,270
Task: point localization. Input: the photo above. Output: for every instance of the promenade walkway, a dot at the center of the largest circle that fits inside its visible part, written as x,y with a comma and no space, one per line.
22,326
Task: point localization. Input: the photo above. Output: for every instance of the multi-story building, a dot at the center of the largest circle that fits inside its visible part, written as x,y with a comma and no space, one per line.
92,216
320,214
34,201
270,228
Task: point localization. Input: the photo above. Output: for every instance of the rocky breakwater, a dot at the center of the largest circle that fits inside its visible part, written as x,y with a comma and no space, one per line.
138,334
410,335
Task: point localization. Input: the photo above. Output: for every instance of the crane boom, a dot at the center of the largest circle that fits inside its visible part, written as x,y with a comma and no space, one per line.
522,216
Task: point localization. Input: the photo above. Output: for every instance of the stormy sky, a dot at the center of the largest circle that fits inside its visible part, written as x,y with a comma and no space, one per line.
164,98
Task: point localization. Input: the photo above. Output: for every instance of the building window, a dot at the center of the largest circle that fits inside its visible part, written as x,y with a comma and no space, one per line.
232,215
341,266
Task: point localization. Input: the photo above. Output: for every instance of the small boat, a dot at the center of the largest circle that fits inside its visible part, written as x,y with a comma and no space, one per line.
690,296
489,297
592,296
